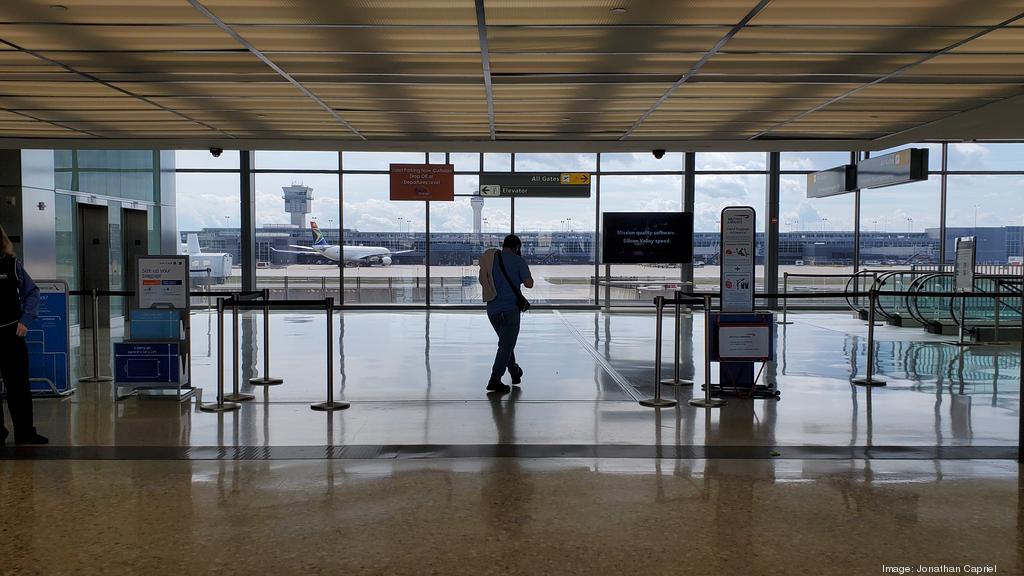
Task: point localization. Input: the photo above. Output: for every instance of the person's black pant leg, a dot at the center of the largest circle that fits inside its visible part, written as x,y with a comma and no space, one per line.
14,367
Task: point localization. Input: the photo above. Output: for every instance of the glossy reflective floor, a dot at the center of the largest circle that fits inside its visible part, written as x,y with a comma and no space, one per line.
426,474
417,378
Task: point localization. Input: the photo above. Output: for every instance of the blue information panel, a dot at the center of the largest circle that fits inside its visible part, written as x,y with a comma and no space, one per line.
155,324
49,370
146,363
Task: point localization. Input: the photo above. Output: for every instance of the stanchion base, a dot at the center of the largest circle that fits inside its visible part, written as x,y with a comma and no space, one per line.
240,397
330,406
963,344
674,382
708,402
266,381
214,407
658,403
865,382
783,322
96,379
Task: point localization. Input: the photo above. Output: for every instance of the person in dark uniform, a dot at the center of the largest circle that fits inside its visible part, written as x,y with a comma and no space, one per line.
19,304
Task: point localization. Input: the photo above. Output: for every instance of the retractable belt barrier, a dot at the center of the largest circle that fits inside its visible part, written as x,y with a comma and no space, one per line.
225,403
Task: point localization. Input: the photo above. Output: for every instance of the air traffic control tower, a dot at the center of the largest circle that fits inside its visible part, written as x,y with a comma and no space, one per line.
297,200
477,202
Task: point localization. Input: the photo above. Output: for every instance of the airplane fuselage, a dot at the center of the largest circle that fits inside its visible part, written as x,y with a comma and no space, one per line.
356,254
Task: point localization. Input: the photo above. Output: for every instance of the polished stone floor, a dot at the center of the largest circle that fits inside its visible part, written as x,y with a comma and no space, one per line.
426,474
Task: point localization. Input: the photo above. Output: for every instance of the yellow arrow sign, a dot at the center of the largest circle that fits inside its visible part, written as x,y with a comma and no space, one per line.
575,178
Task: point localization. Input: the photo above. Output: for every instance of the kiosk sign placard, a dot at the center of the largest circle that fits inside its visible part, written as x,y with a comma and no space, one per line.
737,258
647,238
535,185
963,268
163,282
48,340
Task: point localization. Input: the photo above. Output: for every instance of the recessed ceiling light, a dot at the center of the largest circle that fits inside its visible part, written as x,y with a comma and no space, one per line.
566,118
618,10
58,8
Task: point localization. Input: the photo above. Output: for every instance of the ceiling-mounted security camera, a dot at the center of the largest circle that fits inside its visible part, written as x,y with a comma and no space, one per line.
216,152
658,153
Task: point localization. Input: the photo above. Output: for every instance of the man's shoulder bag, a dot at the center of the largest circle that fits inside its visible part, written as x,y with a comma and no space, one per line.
521,302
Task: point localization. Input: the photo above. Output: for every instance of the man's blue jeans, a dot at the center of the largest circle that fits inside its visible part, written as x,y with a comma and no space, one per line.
506,326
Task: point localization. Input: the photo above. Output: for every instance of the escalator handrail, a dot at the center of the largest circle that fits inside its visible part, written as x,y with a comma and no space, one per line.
886,277
914,305
851,287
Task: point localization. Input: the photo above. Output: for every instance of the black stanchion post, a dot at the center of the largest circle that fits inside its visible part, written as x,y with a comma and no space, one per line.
220,405
785,299
266,379
330,405
677,340
870,380
658,401
236,348
95,303
707,401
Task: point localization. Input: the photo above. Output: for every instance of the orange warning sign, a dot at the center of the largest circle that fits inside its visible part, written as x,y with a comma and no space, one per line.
423,182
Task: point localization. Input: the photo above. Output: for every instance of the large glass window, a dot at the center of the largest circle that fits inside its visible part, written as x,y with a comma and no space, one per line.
385,241
638,283
290,259
899,225
207,216
974,156
713,193
989,207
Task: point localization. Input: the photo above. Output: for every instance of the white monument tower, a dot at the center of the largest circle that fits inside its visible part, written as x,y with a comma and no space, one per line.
478,209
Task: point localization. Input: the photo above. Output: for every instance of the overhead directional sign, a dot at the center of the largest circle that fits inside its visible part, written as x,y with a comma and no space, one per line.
910,165
832,182
536,185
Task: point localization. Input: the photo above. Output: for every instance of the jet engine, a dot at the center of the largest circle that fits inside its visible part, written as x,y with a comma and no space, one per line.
385,260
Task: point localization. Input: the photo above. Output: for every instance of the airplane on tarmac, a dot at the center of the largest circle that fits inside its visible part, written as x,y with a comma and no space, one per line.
352,255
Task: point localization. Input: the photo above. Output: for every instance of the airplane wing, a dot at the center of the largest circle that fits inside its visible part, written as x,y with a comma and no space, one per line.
305,250
402,252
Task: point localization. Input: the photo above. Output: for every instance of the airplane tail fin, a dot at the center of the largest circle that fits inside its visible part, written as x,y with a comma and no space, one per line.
318,237
193,244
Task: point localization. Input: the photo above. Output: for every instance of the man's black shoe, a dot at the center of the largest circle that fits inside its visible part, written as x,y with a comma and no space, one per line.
31,438
517,376
498,386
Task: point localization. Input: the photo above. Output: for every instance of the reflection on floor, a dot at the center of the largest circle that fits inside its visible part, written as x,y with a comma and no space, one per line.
426,474
417,378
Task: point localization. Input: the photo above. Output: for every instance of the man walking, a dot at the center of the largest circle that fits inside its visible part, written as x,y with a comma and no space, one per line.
501,274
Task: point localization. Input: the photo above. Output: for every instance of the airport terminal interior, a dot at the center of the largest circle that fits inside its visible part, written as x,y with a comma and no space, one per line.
777,262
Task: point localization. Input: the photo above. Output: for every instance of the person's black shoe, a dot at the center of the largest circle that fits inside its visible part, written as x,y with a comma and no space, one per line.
31,438
498,386
517,376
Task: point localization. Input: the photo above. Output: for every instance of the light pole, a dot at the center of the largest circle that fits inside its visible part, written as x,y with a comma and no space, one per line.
975,231
910,224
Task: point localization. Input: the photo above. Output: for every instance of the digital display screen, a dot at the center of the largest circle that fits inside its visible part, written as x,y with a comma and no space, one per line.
648,238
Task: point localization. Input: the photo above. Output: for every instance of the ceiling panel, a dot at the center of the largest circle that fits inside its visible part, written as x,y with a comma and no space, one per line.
101,12
1009,65
777,64
591,64
240,61
64,102
325,39
845,40
604,39
911,90
547,91
1005,40
117,38
533,12
715,86
348,12
889,12
76,87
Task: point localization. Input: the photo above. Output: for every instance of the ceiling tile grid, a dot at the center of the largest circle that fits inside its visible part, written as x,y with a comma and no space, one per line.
546,70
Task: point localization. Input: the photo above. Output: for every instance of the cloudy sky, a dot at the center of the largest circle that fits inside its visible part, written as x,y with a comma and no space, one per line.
209,200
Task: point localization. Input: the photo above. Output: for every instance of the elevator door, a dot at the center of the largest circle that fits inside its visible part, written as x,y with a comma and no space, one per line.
94,257
135,234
